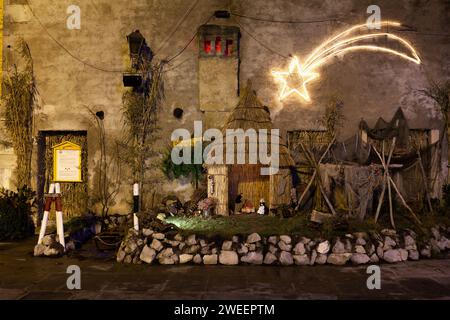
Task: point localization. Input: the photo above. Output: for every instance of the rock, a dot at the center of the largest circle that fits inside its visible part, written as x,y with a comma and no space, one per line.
242,249
39,250
157,245
392,256
443,243
284,246
235,239
147,254
413,255
205,250
131,246
210,259
360,241
167,260
70,245
426,252
185,258
214,251
339,259
360,249
120,255
410,243
273,240
323,247
128,259
254,237
374,258
270,258
173,243
348,246
370,249
197,259
301,259
338,247
286,258
403,254
228,258
389,232
305,240
360,258
273,249
158,236
389,243
140,242
313,257
436,233
227,245
253,258
251,247
435,246
147,232
286,239
54,250
299,248
178,237
181,245
380,251
321,258
49,239
167,252
203,243
191,240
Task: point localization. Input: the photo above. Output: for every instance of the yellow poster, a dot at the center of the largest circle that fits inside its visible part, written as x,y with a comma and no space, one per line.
67,162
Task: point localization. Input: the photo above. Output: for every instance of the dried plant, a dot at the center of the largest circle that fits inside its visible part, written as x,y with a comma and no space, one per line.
109,168
140,110
18,105
333,118
440,93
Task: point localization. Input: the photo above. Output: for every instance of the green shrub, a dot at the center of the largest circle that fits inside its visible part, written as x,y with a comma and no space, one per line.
15,213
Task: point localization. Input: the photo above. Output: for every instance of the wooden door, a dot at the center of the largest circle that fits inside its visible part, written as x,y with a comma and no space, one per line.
247,179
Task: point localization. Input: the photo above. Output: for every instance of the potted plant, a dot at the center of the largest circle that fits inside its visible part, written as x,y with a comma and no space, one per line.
207,205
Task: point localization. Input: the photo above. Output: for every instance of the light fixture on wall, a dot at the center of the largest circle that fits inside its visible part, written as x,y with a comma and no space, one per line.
294,80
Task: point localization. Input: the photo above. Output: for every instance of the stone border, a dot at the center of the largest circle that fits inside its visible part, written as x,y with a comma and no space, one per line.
150,247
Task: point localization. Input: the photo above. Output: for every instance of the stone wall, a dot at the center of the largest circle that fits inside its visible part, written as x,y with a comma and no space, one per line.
153,246
370,84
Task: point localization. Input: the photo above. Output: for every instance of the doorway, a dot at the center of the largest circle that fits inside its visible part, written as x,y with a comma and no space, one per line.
74,194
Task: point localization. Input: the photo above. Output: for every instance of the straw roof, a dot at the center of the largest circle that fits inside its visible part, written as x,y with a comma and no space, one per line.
249,114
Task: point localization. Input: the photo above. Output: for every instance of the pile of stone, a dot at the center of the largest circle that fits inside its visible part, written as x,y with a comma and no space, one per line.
152,246
50,247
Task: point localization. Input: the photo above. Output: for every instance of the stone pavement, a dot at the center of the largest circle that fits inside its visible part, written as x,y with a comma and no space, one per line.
24,277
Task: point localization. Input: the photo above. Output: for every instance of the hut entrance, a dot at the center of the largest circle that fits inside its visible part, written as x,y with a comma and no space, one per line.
247,179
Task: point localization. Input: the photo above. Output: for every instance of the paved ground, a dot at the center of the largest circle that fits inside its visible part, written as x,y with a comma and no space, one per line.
25,277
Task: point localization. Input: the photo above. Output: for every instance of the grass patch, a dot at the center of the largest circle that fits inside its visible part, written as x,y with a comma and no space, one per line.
267,225
244,224
226,227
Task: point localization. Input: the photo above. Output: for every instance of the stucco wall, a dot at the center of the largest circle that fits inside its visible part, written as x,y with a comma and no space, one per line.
370,84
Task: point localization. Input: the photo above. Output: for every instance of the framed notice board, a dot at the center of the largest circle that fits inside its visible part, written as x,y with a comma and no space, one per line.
67,162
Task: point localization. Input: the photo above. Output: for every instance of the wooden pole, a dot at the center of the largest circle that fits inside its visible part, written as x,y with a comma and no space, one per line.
425,180
385,173
314,173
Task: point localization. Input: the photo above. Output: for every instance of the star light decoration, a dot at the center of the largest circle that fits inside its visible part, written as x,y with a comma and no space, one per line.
298,75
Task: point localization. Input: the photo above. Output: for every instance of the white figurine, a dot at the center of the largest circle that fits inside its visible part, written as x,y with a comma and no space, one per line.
262,207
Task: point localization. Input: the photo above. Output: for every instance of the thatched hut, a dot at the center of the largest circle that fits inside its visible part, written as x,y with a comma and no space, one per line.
226,181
